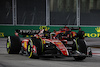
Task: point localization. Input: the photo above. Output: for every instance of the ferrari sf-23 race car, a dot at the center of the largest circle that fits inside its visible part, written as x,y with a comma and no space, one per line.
64,42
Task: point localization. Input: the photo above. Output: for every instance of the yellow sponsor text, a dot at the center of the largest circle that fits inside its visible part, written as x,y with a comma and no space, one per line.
45,27
1,34
92,34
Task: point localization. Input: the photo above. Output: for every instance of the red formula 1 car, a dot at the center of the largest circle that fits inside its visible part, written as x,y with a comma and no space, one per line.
45,43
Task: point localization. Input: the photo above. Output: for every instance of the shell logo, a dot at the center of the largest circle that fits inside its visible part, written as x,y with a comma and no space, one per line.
25,44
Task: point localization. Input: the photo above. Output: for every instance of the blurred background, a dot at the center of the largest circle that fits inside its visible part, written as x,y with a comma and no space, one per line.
32,14
62,12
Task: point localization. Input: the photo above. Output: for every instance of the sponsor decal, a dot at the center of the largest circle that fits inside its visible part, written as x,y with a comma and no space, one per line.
92,34
25,44
44,42
59,43
97,29
1,34
97,34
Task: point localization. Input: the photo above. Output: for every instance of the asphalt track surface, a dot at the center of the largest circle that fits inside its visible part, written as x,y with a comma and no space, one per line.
16,60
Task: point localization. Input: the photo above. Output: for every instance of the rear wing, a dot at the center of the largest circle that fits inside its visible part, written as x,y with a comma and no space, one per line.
27,32
74,28
71,28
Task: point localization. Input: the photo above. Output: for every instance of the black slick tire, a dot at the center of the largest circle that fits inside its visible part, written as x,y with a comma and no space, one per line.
81,48
13,45
38,44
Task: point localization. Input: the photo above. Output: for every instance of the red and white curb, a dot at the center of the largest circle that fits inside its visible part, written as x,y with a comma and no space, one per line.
96,53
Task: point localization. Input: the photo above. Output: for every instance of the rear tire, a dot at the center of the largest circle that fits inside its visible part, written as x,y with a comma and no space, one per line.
13,45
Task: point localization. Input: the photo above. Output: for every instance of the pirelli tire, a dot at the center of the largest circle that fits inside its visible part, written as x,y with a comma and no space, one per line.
13,45
37,43
81,48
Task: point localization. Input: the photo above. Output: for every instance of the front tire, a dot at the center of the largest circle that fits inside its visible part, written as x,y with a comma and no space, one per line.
82,48
79,58
31,51
34,48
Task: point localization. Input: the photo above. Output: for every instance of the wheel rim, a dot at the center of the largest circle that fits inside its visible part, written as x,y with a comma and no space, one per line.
30,48
8,44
